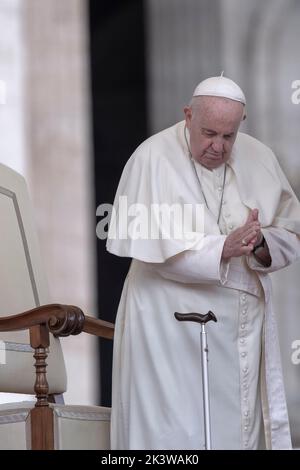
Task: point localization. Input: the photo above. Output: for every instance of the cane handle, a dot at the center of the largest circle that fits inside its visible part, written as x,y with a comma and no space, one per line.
196,317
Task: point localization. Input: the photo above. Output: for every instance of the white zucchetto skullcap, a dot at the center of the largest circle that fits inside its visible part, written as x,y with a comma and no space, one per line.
220,86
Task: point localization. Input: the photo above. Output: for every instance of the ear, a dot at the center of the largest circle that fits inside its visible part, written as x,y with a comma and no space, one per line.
244,114
188,115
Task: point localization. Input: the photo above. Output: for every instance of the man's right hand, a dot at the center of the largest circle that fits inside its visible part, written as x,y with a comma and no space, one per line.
242,240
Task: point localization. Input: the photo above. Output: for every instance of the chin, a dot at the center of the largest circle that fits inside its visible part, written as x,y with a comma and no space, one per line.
214,166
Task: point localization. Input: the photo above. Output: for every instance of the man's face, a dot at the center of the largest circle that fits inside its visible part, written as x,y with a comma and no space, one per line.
213,123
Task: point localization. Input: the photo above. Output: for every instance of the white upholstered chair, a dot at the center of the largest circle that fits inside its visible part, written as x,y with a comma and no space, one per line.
24,340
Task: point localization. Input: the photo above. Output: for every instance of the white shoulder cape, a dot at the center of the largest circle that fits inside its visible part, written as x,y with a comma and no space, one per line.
160,172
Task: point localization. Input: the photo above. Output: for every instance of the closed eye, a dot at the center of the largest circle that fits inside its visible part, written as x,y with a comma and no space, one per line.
209,133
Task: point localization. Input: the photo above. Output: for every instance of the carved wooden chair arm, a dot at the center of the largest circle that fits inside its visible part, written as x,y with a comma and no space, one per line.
61,320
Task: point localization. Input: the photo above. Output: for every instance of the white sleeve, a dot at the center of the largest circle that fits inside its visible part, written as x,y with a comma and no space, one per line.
284,248
203,264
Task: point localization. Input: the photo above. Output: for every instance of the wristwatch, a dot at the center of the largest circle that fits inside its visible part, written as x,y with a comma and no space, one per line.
260,245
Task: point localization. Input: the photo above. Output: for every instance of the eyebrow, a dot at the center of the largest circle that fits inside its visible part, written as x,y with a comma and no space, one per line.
214,132
208,130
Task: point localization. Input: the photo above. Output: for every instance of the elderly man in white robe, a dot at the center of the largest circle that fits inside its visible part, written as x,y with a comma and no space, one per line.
251,228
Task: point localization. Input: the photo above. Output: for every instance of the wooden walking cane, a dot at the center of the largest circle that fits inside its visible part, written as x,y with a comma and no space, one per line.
202,319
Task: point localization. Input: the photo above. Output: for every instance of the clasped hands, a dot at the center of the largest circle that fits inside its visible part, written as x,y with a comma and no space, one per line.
243,239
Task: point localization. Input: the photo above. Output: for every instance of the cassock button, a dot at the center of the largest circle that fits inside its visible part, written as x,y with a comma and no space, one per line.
243,326
244,311
231,226
244,354
242,342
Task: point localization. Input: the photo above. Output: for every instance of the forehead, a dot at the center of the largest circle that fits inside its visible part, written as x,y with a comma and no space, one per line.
217,113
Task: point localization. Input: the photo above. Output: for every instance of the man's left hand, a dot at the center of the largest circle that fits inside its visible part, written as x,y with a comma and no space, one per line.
263,254
253,217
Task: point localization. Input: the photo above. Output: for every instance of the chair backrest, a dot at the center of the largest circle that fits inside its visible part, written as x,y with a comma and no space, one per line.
22,287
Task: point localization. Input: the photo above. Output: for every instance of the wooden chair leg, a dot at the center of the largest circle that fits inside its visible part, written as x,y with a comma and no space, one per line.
42,428
42,421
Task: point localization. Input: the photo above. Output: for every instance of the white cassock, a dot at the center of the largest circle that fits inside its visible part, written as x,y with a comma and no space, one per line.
157,398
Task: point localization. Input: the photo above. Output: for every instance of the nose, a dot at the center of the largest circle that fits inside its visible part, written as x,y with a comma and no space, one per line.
217,144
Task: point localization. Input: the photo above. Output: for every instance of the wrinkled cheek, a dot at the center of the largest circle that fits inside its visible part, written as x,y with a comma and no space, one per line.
198,152
203,150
